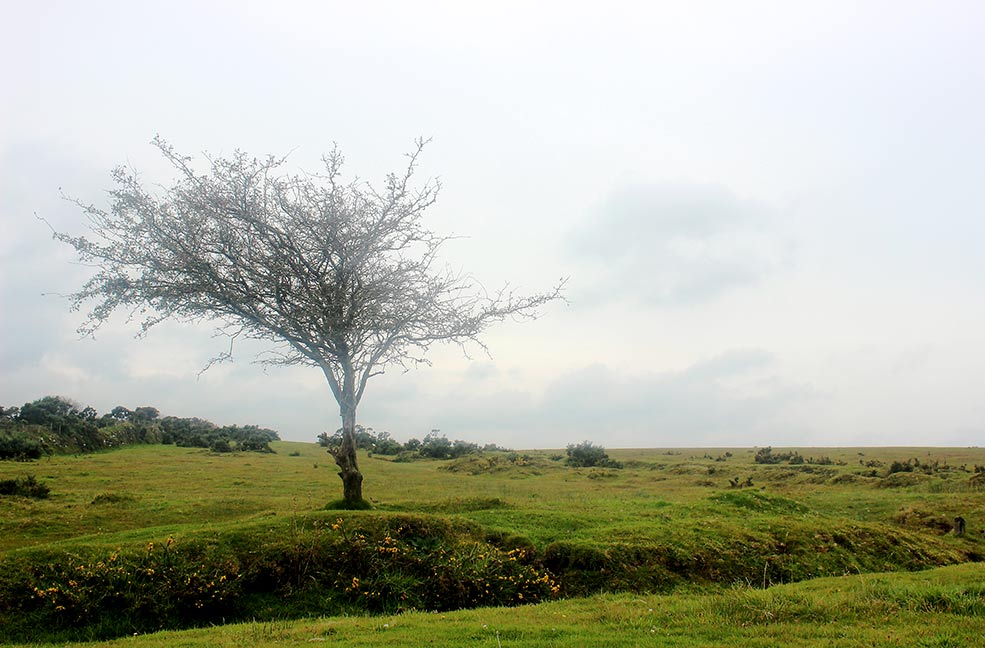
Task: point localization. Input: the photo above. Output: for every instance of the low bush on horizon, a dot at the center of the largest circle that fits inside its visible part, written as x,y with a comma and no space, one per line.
588,455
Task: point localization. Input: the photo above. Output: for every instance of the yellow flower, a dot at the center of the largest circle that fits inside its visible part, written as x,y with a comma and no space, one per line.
355,583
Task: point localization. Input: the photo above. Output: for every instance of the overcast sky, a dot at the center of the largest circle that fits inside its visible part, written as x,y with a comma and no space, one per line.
770,213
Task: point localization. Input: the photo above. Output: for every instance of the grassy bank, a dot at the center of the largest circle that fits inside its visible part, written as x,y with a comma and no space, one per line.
938,608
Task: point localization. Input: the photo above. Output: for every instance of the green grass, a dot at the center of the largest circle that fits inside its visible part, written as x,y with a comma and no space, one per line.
668,522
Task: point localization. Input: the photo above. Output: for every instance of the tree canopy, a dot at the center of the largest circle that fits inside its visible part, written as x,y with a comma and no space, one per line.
337,275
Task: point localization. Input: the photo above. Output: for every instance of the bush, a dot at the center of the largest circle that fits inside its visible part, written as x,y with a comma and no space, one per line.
24,487
15,444
220,445
387,446
436,446
767,456
900,466
75,596
588,455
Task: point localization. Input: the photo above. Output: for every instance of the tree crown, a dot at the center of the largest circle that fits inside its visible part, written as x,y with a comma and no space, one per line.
338,275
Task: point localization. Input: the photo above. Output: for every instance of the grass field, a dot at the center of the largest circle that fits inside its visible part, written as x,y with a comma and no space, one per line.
679,547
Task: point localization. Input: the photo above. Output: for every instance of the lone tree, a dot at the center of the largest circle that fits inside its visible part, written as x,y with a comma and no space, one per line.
338,275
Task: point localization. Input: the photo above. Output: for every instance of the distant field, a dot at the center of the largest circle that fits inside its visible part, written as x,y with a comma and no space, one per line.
708,523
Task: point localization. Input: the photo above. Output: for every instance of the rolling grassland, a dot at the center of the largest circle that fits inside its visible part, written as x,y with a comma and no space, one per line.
701,547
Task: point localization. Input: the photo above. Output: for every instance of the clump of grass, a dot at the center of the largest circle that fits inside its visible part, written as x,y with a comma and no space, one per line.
762,502
921,518
465,504
112,498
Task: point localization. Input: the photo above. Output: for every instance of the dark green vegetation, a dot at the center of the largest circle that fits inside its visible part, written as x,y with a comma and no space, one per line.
932,609
244,536
589,455
434,445
24,487
57,425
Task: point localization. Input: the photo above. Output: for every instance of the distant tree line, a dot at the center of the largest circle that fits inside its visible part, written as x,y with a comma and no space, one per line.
57,425
434,445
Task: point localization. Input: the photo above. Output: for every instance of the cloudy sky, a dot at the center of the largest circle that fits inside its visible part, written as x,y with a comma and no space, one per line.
770,213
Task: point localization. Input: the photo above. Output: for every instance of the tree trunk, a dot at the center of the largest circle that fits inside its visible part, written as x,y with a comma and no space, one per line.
345,458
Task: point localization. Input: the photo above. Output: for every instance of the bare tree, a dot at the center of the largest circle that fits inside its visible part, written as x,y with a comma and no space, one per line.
340,276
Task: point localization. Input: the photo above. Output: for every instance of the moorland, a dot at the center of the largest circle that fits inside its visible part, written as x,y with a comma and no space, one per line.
155,545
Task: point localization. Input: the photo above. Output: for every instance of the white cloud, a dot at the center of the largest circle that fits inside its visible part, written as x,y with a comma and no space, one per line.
672,244
727,398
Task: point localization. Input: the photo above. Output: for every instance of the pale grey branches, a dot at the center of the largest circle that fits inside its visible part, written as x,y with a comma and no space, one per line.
342,276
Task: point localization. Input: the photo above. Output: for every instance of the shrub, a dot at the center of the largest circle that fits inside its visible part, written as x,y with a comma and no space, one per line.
900,466
254,443
587,455
387,446
436,446
98,596
24,487
220,445
16,444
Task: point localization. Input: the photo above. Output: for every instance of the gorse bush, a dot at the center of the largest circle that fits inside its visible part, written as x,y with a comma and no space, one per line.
24,487
97,596
405,570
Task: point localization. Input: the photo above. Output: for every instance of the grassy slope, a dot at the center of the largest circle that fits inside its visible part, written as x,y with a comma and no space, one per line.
663,500
942,607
